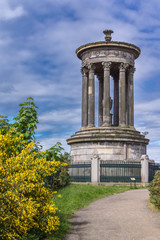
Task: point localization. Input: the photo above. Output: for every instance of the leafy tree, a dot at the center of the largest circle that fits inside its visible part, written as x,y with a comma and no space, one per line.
4,124
56,152
27,120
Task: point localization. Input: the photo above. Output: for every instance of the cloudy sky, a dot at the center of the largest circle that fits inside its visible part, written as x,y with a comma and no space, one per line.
38,39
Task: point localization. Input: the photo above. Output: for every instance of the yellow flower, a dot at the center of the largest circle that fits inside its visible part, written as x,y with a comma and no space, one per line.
22,187
59,195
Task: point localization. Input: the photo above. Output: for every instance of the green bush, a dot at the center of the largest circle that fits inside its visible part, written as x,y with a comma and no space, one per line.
154,189
61,178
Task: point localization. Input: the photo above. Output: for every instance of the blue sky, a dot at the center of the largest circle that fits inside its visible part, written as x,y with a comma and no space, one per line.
38,40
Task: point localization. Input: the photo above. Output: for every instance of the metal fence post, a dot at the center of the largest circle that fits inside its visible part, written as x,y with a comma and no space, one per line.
95,169
144,169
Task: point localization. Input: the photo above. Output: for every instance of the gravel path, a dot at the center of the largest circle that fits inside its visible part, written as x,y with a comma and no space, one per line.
124,216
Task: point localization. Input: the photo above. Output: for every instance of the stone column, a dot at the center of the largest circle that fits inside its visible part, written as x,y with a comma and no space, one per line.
106,94
122,94
116,101
125,152
131,97
100,105
95,169
144,169
84,97
91,97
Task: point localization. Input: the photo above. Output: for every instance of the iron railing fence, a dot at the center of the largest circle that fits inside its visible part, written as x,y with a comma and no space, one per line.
80,171
153,168
120,171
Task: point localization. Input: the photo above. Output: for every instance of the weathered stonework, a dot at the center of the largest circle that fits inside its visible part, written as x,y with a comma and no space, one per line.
115,137
98,55
109,143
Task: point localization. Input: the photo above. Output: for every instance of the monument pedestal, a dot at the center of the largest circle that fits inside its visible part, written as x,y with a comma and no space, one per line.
109,143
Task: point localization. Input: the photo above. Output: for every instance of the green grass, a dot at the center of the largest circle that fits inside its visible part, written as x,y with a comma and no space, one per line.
78,196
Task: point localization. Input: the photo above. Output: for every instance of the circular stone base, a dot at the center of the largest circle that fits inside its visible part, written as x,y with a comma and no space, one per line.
109,143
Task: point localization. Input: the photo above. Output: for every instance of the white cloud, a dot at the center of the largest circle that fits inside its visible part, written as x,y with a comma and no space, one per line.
148,106
147,119
154,153
71,116
7,12
50,141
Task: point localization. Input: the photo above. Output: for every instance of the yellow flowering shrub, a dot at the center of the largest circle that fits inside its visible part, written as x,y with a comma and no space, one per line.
25,202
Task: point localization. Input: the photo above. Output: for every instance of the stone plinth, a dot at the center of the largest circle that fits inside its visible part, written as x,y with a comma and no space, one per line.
109,143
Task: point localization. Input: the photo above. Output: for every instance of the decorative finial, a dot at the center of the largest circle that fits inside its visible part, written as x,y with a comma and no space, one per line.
108,35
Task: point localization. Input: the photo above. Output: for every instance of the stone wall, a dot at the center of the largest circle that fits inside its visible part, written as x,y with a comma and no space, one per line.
107,151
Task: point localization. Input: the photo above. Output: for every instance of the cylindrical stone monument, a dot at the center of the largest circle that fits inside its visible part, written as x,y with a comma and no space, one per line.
115,137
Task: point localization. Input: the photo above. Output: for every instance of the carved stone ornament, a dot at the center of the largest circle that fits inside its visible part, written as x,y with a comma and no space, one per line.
108,34
95,157
132,69
106,65
103,53
97,54
84,64
84,71
106,53
116,53
123,66
91,66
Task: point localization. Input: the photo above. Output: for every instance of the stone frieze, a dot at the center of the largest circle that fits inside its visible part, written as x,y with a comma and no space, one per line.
104,53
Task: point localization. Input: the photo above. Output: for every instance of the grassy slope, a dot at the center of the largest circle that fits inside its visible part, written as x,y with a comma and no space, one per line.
75,197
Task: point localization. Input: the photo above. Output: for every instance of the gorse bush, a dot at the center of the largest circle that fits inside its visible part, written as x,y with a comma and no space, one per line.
154,189
25,202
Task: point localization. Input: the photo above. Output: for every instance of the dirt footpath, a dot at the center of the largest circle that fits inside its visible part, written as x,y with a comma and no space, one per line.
124,216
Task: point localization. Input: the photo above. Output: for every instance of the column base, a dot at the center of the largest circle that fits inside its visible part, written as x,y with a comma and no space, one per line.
91,125
106,124
123,125
84,127
107,121
132,127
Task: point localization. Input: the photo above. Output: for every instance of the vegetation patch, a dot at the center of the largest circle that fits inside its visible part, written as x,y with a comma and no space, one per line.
154,189
28,178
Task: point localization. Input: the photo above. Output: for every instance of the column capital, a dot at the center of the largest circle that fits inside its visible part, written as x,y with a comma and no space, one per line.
132,69
84,71
91,67
106,65
84,64
123,67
